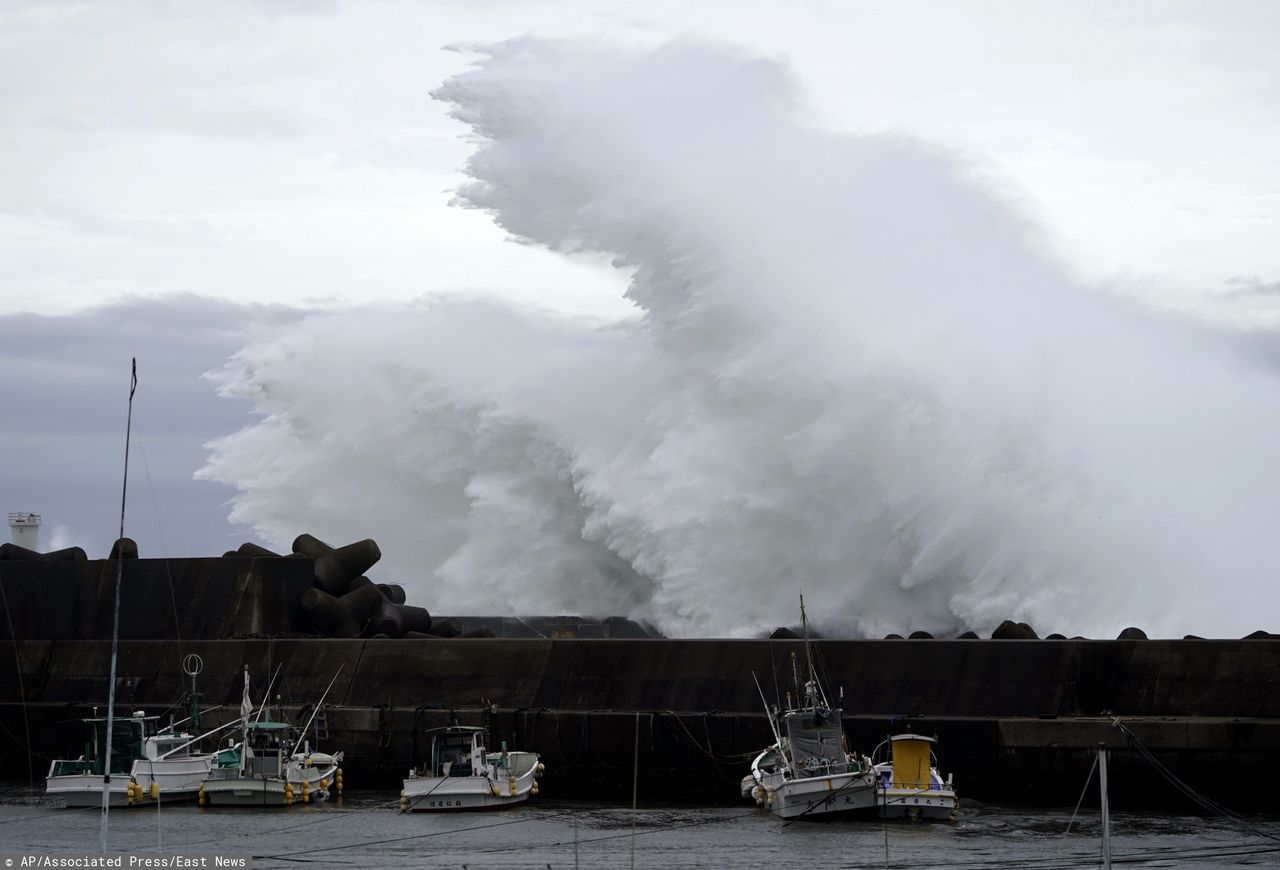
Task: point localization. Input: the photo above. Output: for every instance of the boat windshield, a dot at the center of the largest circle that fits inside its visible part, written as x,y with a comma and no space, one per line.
451,754
270,736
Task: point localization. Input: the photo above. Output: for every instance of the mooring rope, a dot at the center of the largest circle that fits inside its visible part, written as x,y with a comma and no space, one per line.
1088,779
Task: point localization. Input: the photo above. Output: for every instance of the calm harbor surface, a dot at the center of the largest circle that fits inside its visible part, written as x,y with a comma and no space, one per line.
365,830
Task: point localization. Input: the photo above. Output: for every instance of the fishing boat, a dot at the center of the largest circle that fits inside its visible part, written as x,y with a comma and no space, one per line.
461,774
146,765
171,768
174,765
809,771
261,771
79,781
909,783
272,766
255,774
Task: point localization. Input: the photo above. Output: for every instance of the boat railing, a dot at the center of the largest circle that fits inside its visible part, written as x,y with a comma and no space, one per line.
62,767
809,767
224,773
520,763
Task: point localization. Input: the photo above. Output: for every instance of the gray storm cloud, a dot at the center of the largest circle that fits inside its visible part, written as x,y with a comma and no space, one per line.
851,374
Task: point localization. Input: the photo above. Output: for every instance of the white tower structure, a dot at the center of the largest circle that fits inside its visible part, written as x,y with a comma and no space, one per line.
24,530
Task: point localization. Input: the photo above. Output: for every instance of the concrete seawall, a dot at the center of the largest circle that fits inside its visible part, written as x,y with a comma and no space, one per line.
1017,720
159,598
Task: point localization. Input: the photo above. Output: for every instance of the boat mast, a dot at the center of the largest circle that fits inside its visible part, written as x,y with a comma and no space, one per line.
193,665
266,696
115,618
774,726
246,707
303,734
777,738
808,653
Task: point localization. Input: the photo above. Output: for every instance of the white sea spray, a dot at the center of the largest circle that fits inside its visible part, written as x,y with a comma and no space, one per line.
852,373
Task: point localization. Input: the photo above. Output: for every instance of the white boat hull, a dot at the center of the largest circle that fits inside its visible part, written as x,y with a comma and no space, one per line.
933,804
177,779
85,789
426,794
819,796
307,784
247,792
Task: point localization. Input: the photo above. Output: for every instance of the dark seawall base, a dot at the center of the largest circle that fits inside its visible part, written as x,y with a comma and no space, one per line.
1017,720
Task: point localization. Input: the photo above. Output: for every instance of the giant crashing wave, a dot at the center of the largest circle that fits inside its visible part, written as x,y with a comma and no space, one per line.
851,374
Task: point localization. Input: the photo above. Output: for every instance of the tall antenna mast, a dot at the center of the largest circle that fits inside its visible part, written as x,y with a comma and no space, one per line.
115,618
819,694
804,625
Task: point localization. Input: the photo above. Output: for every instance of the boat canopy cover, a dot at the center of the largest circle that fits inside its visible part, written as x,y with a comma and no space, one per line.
815,739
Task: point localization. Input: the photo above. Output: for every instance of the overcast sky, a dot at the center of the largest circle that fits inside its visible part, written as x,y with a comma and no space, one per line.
290,151
63,411
176,177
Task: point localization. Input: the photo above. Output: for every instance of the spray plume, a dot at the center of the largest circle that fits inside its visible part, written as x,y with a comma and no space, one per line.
851,373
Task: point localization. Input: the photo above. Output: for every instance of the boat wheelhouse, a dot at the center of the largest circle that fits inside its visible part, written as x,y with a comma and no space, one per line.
79,781
909,782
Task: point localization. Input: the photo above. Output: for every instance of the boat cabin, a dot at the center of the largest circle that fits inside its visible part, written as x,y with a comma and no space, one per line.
457,750
911,763
162,744
269,746
128,739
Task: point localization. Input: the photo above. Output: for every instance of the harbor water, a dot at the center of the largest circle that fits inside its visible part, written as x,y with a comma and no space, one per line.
366,830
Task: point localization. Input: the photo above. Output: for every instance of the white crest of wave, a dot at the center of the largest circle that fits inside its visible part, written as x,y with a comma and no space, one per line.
852,375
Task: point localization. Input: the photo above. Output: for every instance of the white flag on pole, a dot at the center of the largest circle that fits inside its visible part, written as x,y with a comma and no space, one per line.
246,706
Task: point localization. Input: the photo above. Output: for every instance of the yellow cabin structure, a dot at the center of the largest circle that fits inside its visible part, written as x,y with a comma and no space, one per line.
911,758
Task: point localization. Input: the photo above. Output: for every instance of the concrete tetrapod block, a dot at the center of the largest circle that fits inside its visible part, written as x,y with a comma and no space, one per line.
393,592
396,619
12,552
1010,630
124,548
342,617
310,546
336,567
359,557
444,629
251,549
70,554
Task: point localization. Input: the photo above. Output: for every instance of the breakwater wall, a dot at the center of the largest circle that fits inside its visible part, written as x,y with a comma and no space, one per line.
1017,720
73,599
